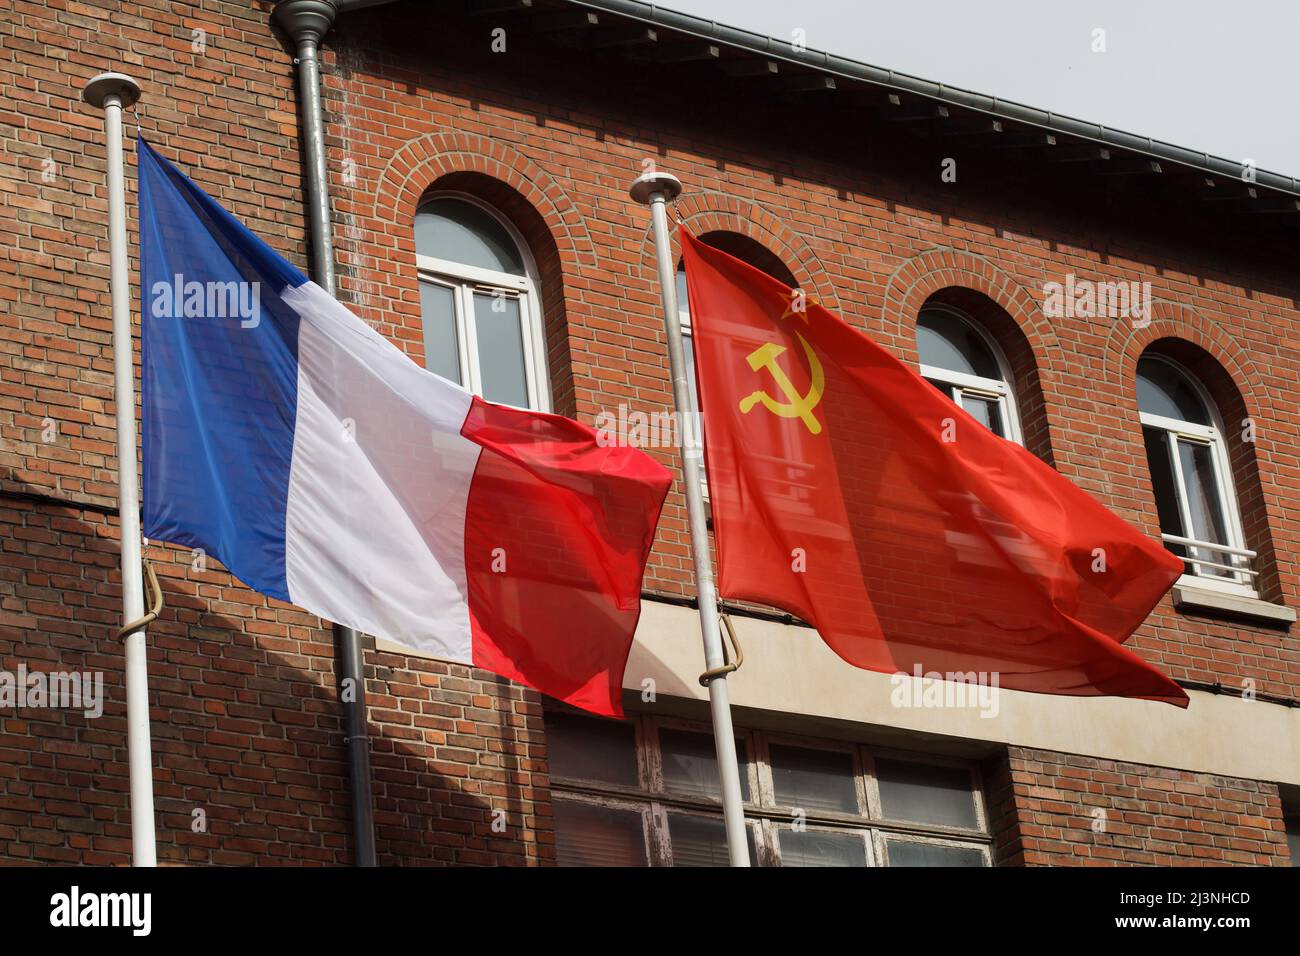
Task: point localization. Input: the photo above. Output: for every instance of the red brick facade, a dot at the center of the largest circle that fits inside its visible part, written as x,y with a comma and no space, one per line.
1073,810
245,720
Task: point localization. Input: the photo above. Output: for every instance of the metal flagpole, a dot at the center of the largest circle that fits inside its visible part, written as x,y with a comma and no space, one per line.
654,190
111,92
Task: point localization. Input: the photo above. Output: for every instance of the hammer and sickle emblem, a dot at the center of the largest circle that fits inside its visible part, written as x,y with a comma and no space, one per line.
795,405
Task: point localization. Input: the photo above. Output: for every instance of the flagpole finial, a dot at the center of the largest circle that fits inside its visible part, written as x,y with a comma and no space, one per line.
646,185
99,88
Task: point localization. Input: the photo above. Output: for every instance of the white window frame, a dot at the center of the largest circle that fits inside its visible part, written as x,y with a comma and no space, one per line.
1003,392
465,280
1212,436
684,318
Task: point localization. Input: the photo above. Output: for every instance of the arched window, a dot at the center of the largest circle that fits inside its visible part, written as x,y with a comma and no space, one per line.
479,302
1191,477
961,360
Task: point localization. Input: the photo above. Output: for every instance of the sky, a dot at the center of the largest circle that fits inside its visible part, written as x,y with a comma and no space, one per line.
1210,76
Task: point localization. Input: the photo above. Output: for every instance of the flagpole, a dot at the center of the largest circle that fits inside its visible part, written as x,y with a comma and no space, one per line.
111,92
655,189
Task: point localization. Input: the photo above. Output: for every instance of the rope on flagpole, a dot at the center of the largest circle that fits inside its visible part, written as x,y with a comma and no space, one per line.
714,673
155,604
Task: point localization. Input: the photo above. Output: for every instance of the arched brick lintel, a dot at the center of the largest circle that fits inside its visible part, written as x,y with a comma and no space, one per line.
1174,320
712,211
423,161
923,275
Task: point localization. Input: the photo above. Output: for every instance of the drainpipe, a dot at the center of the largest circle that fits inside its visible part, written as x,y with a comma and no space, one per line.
306,22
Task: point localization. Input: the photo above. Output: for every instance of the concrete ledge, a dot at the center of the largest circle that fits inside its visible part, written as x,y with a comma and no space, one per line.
791,673
1216,603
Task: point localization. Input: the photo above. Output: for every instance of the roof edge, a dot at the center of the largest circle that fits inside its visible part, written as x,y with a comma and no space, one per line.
998,108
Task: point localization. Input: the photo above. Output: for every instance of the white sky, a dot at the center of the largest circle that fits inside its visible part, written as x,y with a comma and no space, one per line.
1219,77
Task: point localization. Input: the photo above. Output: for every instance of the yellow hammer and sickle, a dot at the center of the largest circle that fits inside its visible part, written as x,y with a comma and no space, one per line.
796,405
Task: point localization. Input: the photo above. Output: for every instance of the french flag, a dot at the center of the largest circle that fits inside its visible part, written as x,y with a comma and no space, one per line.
288,439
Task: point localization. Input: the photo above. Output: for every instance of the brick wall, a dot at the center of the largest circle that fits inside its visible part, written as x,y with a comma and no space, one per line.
245,719
246,724
1081,811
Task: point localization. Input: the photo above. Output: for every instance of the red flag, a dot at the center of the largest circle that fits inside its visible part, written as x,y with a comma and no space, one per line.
849,491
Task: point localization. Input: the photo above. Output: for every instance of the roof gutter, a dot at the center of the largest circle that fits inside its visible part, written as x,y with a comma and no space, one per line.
843,68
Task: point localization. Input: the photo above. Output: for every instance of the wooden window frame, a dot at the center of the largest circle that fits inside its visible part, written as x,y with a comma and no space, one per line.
764,818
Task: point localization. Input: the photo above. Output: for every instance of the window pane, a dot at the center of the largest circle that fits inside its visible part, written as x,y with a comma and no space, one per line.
438,314
683,300
1293,839
904,853
986,411
501,349
941,386
689,347
1163,483
584,748
697,420
925,793
690,764
1164,390
588,835
702,841
815,848
814,779
945,341
1202,488
749,251
459,231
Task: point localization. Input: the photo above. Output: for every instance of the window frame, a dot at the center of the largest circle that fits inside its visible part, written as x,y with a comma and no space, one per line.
1291,831
627,804
775,828
1210,436
688,352
465,281
960,383
764,818
883,839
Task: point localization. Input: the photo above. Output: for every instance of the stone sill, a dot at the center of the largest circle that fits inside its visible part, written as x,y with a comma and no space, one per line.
1194,600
